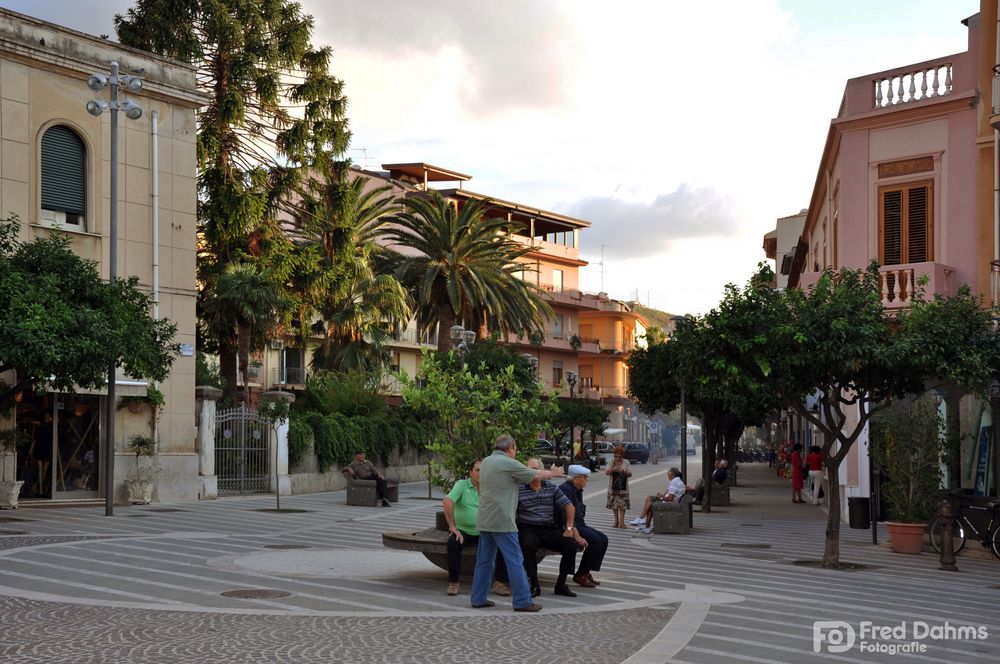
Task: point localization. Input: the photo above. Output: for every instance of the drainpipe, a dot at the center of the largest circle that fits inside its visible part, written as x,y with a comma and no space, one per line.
156,249
995,265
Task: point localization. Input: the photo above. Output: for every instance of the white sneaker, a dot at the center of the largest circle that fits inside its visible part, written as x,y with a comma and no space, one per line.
646,531
637,521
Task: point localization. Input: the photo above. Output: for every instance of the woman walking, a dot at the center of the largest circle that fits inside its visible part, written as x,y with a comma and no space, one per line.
814,461
797,473
618,473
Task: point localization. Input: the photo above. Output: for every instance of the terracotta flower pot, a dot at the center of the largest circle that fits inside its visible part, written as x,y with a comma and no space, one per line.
906,537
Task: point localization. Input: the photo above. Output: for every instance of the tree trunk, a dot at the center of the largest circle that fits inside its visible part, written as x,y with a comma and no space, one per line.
831,554
228,369
712,435
446,318
243,355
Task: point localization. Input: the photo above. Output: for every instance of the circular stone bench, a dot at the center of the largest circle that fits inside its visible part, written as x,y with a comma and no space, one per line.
433,543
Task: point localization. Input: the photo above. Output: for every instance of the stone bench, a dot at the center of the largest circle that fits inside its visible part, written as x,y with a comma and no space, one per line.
362,492
720,493
433,543
673,517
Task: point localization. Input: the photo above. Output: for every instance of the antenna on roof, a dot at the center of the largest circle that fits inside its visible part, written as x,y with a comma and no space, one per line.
602,266
364,157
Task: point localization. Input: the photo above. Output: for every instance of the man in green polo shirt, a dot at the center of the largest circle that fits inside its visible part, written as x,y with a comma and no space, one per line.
461,510
499,478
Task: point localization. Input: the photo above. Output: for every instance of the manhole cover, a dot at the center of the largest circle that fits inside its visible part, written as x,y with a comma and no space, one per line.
287,546
256,593
753,525
13,532
136,516
995,587
283,510
167,509
10,519
848,567
740,545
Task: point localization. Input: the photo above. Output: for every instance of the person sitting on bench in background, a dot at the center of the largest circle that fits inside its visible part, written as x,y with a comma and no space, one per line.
674,491
362,469
719,476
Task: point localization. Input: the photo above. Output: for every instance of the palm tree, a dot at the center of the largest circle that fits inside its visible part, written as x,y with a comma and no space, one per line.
361,308
242,306
465,270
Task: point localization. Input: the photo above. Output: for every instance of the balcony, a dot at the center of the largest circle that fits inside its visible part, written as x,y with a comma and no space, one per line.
909,85
548,248
290,376
898,283
410,337
995,108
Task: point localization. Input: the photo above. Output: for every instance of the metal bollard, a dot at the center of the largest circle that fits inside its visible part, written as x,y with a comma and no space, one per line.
946,517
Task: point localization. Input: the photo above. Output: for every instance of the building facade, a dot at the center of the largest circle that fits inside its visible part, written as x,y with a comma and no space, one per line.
55,175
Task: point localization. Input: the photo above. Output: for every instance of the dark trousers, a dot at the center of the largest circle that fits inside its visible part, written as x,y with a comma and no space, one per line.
593,555
533,538
455,558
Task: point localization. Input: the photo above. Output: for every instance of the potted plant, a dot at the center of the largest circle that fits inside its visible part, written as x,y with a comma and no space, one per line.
907,444
140,488
9,489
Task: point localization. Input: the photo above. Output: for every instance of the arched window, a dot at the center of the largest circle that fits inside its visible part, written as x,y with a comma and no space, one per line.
64,179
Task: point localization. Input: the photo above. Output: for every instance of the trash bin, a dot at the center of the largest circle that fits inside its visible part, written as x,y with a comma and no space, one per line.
859,512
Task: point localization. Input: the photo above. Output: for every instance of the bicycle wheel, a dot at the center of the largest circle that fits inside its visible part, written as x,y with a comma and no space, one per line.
995,542
957,536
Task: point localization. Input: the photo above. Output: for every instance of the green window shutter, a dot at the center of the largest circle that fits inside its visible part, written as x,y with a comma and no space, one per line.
64,171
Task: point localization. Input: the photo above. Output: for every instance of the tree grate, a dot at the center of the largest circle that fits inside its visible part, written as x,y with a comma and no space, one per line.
287,546
743,545
167,509
256,593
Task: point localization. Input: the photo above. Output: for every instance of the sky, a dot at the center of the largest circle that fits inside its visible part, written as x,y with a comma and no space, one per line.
681,130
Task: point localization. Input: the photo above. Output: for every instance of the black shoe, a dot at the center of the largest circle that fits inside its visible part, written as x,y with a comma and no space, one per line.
564,591
485,605
536,590
386,503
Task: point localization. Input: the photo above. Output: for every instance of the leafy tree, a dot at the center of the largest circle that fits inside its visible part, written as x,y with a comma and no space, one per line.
837,342
241,305
467,409
587,414
62,326
362,307
464,268
718,360
274,112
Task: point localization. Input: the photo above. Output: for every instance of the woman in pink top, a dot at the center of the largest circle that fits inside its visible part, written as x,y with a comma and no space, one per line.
814,461
797,473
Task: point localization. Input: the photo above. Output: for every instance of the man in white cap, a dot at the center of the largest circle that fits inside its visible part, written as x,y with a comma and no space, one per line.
593,541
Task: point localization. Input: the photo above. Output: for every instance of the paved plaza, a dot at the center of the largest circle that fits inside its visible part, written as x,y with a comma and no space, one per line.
230,581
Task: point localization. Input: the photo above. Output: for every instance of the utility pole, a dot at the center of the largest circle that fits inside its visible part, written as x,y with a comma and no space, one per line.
602,266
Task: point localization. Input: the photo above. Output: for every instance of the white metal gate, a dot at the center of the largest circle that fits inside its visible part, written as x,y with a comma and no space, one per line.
242,463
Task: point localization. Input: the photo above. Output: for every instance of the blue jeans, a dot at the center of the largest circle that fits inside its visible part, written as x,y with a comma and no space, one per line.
482,580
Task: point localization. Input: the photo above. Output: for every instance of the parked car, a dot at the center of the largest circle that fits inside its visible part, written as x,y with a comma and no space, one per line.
636,452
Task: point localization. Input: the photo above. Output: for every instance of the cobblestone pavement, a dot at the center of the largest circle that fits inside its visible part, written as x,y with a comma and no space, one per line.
80,587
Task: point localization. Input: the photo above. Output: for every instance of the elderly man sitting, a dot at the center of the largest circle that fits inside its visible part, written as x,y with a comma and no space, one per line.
540,524
362,469
675,489
719,476
593,541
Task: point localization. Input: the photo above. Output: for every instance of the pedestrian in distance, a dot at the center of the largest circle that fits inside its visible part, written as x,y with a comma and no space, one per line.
499,477
814,463
363,469
618,497
795,461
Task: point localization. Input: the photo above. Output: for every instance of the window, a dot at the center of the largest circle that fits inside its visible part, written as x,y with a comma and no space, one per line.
557,372
906,224
64,179
558,326
557,280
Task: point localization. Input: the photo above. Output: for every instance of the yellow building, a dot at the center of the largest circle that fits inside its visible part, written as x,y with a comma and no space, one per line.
55,173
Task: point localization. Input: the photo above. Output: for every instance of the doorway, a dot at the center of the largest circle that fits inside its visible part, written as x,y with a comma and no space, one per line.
61,455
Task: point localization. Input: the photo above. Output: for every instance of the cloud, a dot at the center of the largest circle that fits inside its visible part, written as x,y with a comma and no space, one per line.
631,229
516,53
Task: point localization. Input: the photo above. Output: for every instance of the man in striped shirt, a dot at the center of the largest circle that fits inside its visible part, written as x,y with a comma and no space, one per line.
545,518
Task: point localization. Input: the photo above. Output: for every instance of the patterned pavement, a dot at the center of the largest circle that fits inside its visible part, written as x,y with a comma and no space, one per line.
147,586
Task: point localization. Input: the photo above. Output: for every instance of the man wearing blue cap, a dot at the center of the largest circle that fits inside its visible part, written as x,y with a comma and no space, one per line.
595,542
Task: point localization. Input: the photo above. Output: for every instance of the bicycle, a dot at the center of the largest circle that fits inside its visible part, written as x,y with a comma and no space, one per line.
962,526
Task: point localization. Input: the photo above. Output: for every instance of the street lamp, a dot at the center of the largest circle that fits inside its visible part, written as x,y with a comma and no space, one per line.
97,82
571,377
463,340
532,361
678,321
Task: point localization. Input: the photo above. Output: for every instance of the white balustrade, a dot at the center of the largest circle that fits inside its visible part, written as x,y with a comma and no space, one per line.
916,85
